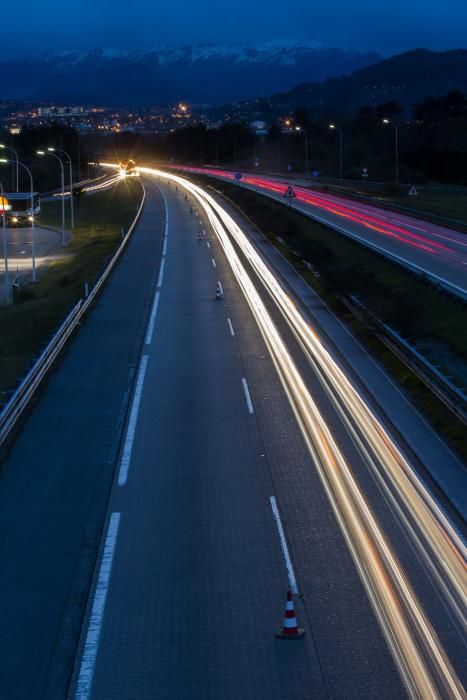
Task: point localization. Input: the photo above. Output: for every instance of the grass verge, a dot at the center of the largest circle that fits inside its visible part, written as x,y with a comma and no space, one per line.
413,306
450,207
27,324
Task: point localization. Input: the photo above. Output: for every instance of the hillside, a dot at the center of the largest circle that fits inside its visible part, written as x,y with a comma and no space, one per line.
406,78
205,73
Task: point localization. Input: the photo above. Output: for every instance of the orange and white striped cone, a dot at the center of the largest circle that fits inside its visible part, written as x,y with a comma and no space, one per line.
290,628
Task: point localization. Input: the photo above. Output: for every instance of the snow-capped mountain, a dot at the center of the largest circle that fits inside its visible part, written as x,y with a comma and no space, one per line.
207,73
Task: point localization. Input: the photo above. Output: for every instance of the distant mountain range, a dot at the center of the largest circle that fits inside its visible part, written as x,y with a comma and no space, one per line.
406,78
205,73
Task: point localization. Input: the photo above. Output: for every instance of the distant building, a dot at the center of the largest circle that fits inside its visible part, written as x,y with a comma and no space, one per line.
259,127
61,112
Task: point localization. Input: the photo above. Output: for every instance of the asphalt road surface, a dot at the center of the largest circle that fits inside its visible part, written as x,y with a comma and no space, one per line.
192,572
209,459
47,244
425,247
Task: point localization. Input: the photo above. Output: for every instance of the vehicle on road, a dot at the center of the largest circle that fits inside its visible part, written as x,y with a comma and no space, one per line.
17,208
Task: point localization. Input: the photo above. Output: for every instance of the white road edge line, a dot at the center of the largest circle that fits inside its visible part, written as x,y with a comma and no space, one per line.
247,395
91,646
213,262
152,319
232,332
285,550
164,247
130,432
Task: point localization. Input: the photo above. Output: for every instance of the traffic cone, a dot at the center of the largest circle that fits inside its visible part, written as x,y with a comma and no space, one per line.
290,628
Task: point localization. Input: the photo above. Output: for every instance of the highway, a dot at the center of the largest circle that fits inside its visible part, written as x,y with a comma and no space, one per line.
221,455
424,247
409,557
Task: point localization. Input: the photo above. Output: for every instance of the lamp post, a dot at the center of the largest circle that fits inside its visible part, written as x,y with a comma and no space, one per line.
341,148
33,232
301,128
396,144
10,148
5,245
72,212
62,179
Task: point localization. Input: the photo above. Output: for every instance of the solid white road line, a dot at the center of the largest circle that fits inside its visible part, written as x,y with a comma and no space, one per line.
91,646
247,395
164,247
152,319
232,332
130,433
213,262
285,550
161,273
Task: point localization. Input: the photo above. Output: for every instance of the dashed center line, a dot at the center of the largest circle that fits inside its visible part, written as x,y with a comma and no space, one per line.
247,395
161,272
152,319
232,332
285,550
208,244
91,646
213,262
131,429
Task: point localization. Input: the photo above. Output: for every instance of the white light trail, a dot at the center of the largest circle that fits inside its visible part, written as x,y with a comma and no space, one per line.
409,632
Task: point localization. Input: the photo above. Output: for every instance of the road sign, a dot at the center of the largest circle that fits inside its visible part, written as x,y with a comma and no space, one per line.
256,162
290,192
413,191
315,173
364,172
238,176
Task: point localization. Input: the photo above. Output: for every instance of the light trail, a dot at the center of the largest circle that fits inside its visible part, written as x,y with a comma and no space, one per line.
423,663
425,248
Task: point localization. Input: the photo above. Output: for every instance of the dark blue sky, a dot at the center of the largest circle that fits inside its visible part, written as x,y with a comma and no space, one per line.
386,26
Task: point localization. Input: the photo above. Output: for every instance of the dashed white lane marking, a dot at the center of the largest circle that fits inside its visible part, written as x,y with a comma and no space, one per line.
152,319
232,332
285,550
208,244
161,272
204,232
131,429
91,646
213,262
221,289
247,395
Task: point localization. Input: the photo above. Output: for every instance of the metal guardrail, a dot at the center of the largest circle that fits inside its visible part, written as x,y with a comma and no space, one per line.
452,397
17,404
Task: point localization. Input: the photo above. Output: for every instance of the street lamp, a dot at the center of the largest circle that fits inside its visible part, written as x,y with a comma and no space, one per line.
396,143
62,179
10,148
72,213
5,246
341,169
301,128
33,242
